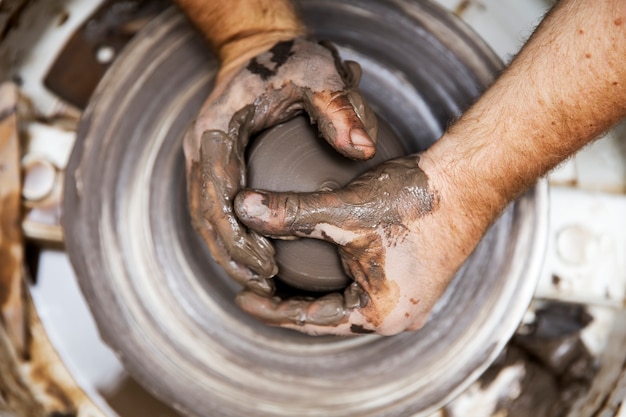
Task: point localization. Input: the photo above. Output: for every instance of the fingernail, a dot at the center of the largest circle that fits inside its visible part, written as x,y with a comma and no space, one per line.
254,205
327,310
362,143
358,137
263,287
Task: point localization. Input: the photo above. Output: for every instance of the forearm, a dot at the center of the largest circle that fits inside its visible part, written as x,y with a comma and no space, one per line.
564,89
234,27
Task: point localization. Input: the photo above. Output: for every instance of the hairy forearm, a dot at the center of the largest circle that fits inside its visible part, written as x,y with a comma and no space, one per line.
234,27
566,87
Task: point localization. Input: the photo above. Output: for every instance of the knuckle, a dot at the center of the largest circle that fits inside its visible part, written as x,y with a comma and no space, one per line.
338,101
289,209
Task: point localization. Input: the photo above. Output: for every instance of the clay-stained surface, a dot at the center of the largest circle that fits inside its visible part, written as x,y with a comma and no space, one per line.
10,12
36,384
559,368
86,56
544,370
33,381
11,249
52,385
17,398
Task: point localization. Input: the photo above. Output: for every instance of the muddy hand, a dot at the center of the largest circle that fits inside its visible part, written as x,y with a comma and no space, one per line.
385,224
292,76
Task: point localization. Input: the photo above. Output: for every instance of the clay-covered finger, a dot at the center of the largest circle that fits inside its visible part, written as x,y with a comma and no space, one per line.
212,182
221,178
282,215
345,120
332,314
328,310
244,247
240,272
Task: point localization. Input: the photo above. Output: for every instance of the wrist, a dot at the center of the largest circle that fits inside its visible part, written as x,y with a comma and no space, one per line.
467,196
239,50
240,29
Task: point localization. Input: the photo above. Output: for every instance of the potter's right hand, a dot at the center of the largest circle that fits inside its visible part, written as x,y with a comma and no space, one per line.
252,94
400,238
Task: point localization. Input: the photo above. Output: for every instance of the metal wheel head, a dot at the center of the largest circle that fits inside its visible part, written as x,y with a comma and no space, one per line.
167,309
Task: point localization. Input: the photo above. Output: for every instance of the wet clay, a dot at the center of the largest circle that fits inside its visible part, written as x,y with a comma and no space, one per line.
292,157
274,86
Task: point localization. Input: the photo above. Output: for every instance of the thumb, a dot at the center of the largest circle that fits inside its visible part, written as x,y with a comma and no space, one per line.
343,117
319,215
345,121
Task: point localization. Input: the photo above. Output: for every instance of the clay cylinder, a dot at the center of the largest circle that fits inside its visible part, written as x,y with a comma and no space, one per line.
292,157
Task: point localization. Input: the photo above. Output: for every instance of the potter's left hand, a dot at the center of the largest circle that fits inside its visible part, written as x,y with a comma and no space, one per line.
397,238
252,94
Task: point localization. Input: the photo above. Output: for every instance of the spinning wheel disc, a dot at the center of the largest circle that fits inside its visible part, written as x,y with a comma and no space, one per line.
167,309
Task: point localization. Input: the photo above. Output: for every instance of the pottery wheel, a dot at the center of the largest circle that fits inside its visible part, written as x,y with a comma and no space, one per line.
167,309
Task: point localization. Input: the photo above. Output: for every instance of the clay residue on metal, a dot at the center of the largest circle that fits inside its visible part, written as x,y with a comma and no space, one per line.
10,16
555,367
10,241
77,70
38,384
11,250
33,381
17,398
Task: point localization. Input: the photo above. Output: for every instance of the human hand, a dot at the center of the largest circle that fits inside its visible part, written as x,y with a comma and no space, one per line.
398,238
251,95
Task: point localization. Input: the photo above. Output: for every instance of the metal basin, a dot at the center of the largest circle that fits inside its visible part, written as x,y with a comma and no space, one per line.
167,309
